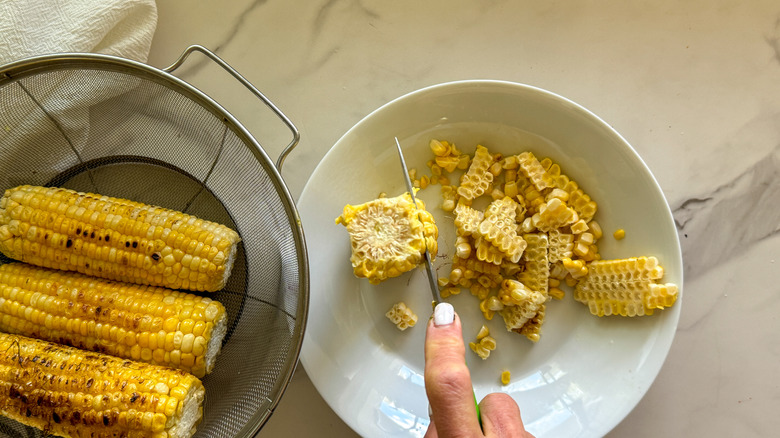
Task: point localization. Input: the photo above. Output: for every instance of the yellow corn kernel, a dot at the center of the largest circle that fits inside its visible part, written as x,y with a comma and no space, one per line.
483,331
505,377
595,228
619,234
106,237
388,236
556,293
439,149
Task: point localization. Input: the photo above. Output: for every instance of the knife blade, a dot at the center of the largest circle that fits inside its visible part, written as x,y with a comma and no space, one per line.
432,277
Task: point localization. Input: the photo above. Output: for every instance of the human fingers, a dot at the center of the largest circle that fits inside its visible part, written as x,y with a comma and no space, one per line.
501,417
447,379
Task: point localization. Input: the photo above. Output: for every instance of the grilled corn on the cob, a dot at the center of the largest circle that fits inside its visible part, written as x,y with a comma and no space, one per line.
388,236
115,239
71,393
144,323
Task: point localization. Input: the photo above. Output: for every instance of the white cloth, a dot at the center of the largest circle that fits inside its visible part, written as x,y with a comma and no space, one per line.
38,27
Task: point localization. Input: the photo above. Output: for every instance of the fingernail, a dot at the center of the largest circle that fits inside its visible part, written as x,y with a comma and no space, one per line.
443,314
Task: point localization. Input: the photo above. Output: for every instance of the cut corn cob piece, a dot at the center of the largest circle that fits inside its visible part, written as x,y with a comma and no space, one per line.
68,392
467,220
626,287
402,316
499,227
537,267
477,179
143,323
388,236
533,328
522,304
561,245
115,239
534,171
554,214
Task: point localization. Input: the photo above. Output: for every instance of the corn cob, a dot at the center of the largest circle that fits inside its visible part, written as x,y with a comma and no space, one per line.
626,287
388,236
115,239
71,393
143,323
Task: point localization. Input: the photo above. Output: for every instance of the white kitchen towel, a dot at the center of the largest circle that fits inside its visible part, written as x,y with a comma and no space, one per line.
115,27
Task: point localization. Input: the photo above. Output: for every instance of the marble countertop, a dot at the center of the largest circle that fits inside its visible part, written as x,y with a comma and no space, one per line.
694,86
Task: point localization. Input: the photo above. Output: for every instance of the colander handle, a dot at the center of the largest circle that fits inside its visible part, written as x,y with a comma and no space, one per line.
213,56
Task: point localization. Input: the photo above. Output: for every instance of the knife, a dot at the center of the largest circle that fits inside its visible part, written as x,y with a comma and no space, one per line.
433,280
432,277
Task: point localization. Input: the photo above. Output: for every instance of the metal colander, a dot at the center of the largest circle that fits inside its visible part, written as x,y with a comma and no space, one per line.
120,128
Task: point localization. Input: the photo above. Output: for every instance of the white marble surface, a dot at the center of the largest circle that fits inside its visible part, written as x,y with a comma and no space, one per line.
693,85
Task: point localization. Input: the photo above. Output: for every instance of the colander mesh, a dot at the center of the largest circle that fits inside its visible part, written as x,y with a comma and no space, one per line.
116,130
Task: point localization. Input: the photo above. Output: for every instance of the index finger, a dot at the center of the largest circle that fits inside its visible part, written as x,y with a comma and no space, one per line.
448,382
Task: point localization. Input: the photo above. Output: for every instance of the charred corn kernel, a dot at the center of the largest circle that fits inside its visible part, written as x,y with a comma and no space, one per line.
626,287
68,392
499,227
402,316
106,316
110,237
532,329
483,331
388,236
477,179
595,228
619,234
534,171
505,377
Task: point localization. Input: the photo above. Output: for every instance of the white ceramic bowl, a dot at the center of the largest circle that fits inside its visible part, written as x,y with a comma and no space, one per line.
586,373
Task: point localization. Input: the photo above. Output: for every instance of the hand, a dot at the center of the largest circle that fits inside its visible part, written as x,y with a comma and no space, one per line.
450,394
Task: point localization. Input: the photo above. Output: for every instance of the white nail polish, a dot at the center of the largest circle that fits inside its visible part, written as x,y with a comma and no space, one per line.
443,314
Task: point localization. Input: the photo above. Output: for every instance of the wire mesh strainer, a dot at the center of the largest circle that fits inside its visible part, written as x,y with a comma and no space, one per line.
120,128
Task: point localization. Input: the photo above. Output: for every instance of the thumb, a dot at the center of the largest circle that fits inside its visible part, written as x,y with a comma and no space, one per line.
447,379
